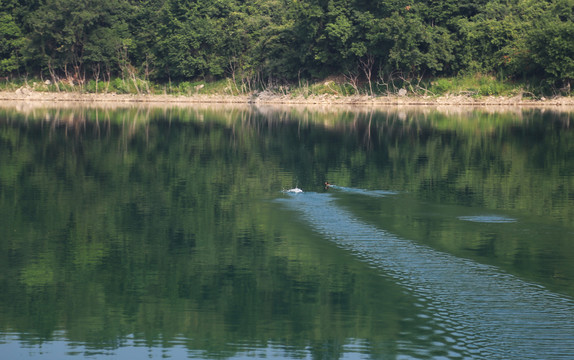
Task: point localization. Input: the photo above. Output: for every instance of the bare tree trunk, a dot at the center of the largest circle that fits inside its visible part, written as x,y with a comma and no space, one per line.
233,70
109,79
383,82
132,73
367,67
96,70
53,75
353,80
147,72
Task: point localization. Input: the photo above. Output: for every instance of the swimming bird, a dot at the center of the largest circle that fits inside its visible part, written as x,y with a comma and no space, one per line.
294,190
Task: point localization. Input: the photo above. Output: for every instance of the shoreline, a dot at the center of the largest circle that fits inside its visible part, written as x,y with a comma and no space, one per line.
264,98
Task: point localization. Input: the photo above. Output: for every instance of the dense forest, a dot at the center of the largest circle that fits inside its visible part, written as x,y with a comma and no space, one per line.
287,41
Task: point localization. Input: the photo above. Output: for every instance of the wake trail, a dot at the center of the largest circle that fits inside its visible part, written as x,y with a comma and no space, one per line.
490,314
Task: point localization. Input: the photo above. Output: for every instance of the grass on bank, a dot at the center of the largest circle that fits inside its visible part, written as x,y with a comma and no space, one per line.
478,85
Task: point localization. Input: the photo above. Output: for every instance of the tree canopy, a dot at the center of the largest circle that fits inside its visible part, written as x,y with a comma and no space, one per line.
286,40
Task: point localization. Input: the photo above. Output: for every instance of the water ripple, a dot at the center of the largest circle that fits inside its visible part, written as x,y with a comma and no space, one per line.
375,193
494,219
485,312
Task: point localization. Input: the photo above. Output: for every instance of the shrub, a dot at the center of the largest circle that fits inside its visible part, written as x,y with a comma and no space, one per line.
442,86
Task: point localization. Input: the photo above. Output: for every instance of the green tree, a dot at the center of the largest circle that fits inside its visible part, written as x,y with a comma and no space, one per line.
308,26
550,42
11,38
65,35
11,42
184,40
285,40
416,46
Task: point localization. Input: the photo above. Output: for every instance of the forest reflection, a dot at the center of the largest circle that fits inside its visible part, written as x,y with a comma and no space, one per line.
155,222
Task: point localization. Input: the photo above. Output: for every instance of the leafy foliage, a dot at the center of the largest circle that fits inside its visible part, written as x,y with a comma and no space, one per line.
11,40
274,41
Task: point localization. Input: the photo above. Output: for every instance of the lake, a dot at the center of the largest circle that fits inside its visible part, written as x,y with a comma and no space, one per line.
142,231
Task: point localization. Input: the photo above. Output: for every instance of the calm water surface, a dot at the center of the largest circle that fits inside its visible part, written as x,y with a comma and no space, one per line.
142,232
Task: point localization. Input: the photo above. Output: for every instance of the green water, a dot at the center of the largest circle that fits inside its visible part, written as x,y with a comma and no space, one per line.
163,232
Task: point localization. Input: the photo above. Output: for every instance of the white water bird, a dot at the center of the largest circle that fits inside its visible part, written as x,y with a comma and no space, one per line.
295,190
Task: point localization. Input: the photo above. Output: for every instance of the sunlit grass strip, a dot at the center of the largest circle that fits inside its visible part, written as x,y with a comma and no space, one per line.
476,85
